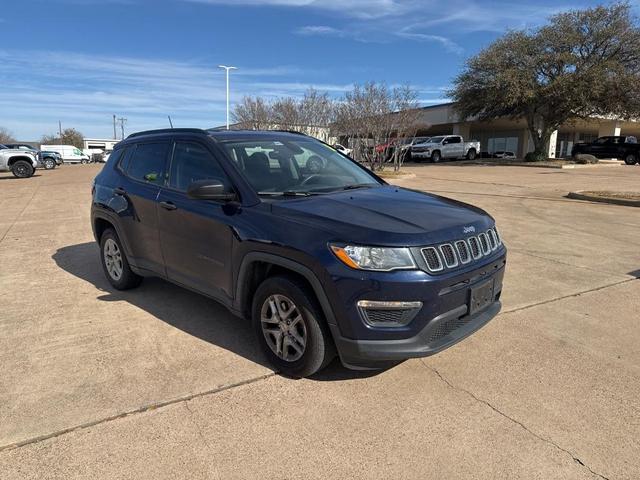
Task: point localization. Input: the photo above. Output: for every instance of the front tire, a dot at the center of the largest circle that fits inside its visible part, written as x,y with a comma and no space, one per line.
22,169
290,327
49,164
436,157
115,264
630,159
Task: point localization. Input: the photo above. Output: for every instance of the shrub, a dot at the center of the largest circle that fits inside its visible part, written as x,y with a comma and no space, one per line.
535,157
584,158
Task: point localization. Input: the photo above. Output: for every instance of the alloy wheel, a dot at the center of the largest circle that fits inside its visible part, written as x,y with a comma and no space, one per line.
283,328
113,259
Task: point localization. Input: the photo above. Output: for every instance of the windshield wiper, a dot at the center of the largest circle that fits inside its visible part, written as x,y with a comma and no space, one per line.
286,193
357,185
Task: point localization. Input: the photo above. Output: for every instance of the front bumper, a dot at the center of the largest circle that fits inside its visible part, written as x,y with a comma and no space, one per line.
443,320
421,154
371,354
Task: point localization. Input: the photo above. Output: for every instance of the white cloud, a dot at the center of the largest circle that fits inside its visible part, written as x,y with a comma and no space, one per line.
321,30
447,43
86,90
365,9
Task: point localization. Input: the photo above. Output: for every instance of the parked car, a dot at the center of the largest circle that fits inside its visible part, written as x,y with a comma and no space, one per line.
21,163
404,143
46,160
69,153
325,262
503,154
445,146
342,149
621,147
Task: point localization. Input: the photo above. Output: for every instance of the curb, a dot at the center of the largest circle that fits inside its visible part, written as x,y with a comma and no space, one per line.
396,177
579,195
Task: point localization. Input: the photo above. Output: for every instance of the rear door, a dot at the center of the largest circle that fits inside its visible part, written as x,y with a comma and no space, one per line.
144,172
195,235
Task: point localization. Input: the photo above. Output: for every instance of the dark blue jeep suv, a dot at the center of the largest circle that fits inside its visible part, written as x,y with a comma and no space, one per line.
320,253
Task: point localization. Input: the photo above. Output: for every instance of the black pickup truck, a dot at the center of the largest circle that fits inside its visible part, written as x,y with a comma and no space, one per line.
622,147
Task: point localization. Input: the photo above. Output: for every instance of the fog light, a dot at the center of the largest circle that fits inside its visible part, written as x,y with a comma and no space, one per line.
388,314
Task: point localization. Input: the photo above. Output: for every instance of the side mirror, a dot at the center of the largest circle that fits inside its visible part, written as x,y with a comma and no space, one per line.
210,189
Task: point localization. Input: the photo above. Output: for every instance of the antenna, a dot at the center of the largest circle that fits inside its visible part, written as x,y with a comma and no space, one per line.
170,122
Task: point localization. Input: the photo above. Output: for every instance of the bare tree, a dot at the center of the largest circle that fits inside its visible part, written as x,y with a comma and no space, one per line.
6,136
286,114
374,117
253,114
312,114
317,112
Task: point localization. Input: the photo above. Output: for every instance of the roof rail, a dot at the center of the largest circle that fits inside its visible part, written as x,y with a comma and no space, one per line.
168,130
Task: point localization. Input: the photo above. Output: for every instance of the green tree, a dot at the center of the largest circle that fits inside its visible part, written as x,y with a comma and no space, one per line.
582,63
70,136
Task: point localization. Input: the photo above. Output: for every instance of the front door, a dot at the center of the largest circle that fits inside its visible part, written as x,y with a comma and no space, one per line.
195,235
453,147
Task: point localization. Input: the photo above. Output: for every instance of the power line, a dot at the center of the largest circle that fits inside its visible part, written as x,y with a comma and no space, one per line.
122,121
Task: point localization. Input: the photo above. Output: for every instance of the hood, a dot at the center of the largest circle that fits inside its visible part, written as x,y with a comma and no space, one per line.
385,215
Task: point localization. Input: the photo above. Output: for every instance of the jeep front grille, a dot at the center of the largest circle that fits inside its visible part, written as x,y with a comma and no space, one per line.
430,254
463,251
448,256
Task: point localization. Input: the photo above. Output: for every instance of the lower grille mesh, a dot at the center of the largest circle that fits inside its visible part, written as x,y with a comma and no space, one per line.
445,328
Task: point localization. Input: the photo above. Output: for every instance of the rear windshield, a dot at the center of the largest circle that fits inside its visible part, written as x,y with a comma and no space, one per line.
303,166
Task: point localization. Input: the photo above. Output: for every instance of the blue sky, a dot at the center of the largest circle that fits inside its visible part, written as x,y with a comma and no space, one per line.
80,61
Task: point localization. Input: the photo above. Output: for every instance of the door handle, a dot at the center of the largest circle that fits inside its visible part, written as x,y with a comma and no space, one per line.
119,191
168,205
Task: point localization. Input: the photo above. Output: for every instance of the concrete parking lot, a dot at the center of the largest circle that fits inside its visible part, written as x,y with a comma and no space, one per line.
159,382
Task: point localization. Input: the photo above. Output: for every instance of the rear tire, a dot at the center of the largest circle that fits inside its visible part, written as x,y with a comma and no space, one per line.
290,327
471,154
22,169
115,264
631,159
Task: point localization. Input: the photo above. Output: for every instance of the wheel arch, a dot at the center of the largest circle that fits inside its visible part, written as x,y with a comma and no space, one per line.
13,160
257,266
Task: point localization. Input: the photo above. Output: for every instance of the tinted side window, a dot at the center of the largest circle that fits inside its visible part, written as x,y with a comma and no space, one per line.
192,162
454,139
147,162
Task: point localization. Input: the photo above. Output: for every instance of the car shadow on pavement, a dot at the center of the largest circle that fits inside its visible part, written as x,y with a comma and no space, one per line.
190,312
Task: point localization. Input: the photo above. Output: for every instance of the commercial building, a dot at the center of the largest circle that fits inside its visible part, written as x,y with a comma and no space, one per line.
99,144
505,134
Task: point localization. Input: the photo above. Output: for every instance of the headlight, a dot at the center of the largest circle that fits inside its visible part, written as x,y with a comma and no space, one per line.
374,258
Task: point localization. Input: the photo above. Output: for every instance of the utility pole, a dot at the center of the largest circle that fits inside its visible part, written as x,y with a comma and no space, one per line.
115,137
122,121
227,70
60,128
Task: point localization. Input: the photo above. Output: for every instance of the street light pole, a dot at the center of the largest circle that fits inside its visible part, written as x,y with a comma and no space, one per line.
227,70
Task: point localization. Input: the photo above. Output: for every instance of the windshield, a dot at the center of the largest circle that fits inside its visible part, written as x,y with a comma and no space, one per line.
2,147
436,139
296,167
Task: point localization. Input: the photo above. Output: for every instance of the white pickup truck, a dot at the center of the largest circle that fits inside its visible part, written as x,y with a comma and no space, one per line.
445,146
19,162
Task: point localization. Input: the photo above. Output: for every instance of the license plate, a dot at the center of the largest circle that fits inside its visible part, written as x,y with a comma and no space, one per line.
481,297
